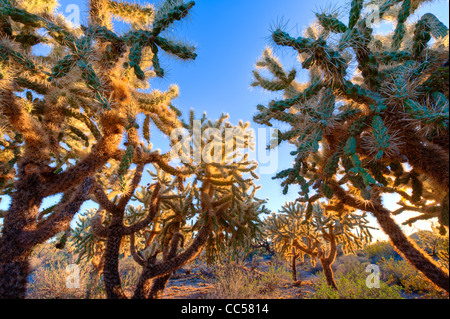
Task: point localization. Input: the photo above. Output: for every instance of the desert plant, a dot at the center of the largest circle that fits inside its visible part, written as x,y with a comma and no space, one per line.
402,274
378,250
431,241
299,230
220,198
64,114
232,280
380,128
351,282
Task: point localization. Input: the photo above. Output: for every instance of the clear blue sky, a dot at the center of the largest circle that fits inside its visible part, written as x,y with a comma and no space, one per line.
230,36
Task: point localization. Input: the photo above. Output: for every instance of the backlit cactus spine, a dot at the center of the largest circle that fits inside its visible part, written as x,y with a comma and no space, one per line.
66,113
355,132
219,201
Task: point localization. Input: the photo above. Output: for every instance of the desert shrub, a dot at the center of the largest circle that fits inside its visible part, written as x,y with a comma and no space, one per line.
46,254
351,279
234,281
48,276
350,263
380,249
49,282
401,273
129,272
274,277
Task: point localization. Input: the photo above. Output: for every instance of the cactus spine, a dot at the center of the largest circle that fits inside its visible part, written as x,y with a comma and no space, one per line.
80,100
355,132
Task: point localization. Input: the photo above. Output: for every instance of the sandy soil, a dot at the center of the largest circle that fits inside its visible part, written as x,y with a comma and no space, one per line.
198,285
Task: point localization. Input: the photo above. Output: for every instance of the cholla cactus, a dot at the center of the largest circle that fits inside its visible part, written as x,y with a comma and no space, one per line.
379,128
217,198
300,230
64,114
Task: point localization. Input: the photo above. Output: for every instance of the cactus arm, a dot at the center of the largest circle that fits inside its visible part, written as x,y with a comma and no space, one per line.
136,257
306,249
97,228
164,268
125,198
130,12
152,211
437,28
60,219
99,155
400,29
102,199
37,144
159,283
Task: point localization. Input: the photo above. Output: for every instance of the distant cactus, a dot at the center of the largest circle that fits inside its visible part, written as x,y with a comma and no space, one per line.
63,115
300,230
381,128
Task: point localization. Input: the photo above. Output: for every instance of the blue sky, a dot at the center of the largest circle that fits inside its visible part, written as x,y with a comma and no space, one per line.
230,36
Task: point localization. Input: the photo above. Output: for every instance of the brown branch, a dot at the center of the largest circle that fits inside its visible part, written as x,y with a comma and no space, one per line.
60,219
136,257
97,228
125,198
306,250
102,199
152,212
410,251
112,124
164,268
333,246
429,159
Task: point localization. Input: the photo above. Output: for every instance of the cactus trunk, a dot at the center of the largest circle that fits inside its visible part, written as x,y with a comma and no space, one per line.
294,269
158,286
14,250
154,271
111,276
328,272
14,270
410,251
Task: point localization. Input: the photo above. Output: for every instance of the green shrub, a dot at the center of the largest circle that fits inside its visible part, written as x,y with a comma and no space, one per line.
235,281
49,282
401,273
376,251
351,278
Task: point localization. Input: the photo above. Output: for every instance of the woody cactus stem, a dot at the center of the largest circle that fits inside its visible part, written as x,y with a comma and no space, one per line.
153,270
410,251
294,264
16,243
116,230
329,275
159,284
327,261
85,96
355,135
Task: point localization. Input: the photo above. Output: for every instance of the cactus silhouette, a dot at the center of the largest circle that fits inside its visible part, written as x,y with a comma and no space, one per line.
371,120
64,114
